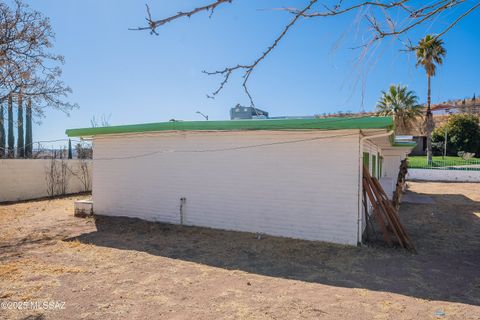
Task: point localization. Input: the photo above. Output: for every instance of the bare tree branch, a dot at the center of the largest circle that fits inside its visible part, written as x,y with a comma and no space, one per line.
227,72
410,15
26,61
458,19
337,9
154,24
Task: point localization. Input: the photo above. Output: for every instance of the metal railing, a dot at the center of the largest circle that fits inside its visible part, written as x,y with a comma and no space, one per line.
444,163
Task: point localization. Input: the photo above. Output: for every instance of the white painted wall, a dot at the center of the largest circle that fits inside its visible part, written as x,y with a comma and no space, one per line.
388,185
443,175
392,159
24,179
284,187
372,149
391,164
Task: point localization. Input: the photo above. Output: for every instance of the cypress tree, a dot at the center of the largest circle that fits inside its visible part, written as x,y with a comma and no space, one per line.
11,137
70,156
28,130
20,141
2,132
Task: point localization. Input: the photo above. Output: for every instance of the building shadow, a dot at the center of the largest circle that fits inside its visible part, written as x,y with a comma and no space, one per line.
446,234
35,317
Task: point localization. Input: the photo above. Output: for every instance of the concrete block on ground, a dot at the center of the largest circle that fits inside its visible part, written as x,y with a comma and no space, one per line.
83,208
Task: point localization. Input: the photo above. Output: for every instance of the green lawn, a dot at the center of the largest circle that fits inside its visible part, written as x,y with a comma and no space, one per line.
421,161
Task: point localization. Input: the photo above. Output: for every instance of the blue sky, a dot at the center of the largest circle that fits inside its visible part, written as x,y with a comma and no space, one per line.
134,77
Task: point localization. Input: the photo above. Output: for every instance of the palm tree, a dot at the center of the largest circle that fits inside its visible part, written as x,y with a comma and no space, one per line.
430,53
402,105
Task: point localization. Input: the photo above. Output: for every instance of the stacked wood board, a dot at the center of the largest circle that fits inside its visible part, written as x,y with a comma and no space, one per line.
385,213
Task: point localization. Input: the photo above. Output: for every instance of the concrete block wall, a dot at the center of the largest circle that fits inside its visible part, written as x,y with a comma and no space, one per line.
294,184
25,179
444,175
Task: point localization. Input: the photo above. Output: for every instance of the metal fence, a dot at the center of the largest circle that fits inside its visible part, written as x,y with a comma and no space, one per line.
447,163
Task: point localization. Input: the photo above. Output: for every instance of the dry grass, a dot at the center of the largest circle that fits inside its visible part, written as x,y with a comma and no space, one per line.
22,269
112,268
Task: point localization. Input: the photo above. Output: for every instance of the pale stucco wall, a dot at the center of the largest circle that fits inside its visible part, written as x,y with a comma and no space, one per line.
25,179
292,184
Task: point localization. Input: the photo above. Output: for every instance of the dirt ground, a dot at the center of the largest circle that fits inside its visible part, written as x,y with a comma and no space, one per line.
118,268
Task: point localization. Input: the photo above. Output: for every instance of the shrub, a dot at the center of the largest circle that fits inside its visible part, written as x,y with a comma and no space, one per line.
463,131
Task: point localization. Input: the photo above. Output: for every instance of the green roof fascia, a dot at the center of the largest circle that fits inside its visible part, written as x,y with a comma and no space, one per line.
238,125
405,144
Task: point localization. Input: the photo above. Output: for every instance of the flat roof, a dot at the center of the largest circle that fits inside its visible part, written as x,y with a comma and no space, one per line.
334,123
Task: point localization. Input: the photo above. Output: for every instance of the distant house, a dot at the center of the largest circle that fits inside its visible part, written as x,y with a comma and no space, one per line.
440,112
298,178
446,109
456,106
243,113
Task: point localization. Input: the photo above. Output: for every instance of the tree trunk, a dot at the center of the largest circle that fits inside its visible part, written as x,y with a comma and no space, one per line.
2,131
28,130
20,141
429,124
70,153
11,137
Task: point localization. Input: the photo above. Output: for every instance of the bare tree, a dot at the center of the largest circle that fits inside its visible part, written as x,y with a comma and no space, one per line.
63,177
381,18
57,176
104,121
84,151
52,176
26,61
82,173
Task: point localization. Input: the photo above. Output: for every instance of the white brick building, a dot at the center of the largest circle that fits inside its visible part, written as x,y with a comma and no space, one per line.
295,178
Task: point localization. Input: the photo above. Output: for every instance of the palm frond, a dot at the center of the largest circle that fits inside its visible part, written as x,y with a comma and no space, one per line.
430,53
402,104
